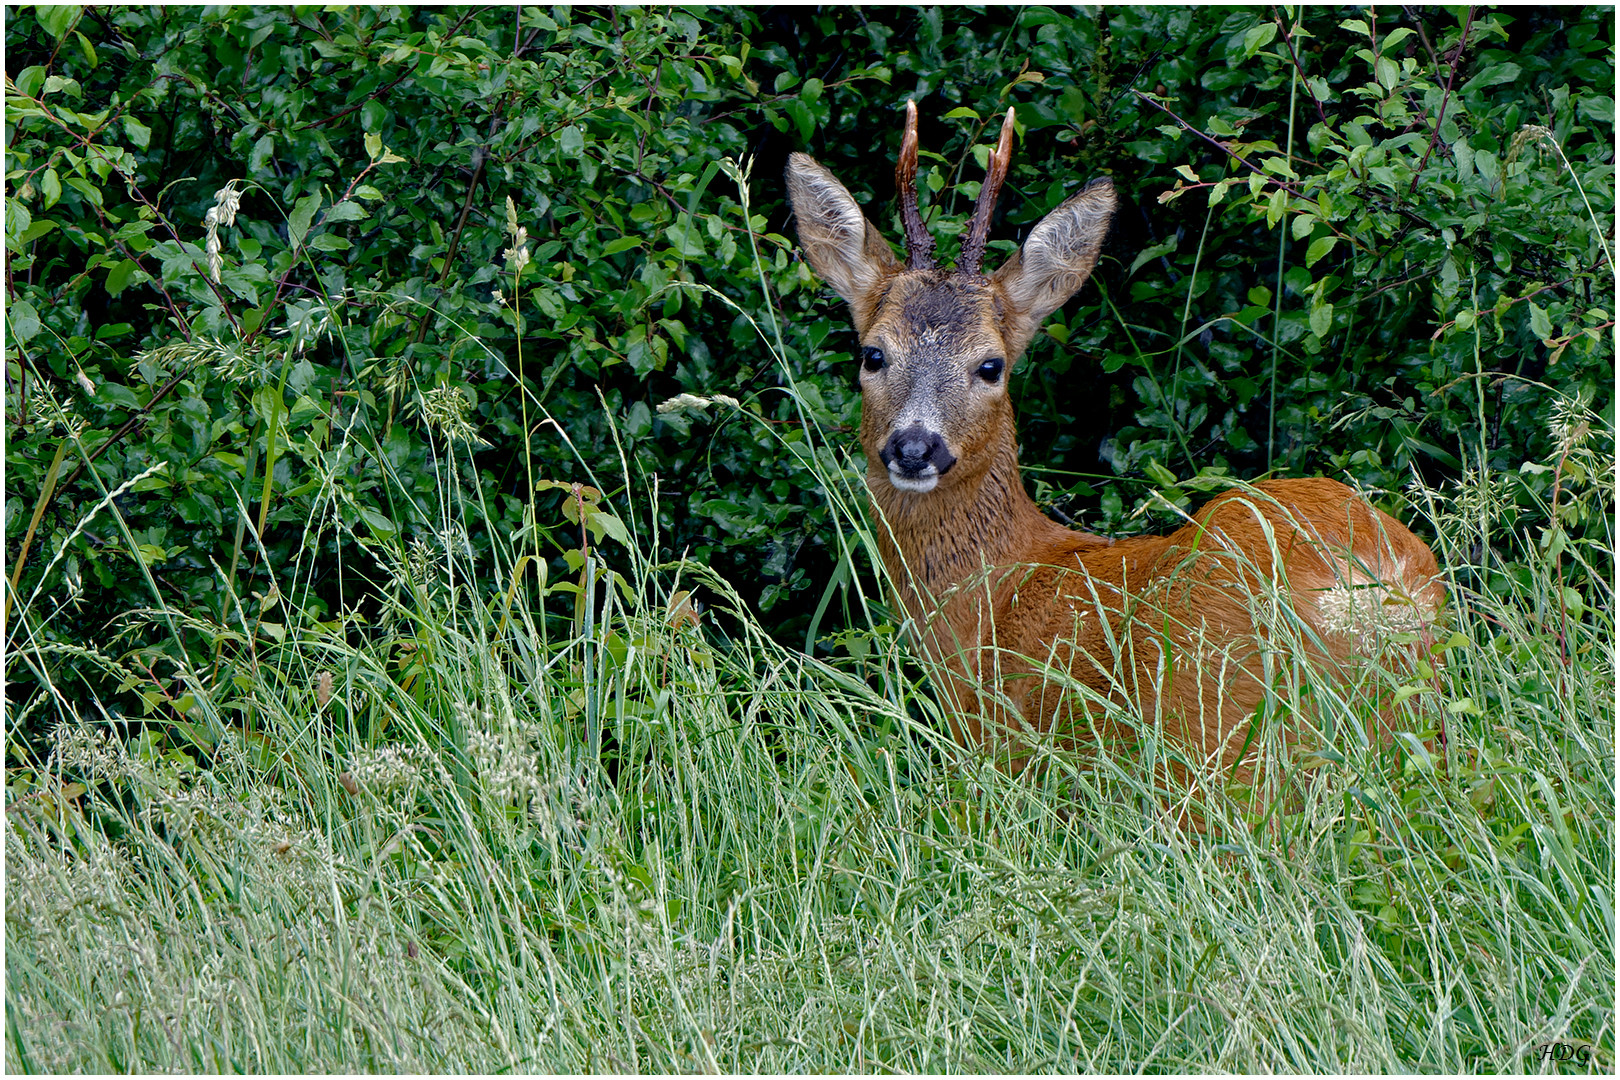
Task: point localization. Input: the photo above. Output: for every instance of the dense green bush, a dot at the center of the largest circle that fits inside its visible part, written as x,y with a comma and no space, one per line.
1350,245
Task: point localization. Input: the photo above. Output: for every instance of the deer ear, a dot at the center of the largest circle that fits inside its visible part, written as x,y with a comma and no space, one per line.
842,246
1055,261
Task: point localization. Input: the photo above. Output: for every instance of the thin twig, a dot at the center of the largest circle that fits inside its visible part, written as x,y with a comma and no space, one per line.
1222,147
1288,37
382,90
1423,37
129,425
1451,77
346,110
1516,300
480,156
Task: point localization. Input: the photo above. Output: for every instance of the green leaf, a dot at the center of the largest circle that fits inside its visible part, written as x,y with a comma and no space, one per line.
29,80
18,222
138,133
571,141
623,243
1258,38
600,521
123,275
1493,76
57,18
86,48
84,187
1540,324
299,220
24,320
259,157
347,210
1275,207
961,112
1148,254
1322,320
1596,107
1159,474
1319,249
55,83
50,188
1395,37
35,230
378,523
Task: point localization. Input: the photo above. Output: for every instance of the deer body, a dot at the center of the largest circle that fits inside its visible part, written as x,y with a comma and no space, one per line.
1021,612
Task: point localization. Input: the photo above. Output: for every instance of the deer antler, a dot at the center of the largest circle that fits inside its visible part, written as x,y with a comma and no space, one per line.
978,234
919,245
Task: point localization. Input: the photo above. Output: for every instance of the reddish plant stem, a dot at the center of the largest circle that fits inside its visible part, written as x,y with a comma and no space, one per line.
1288,37
1451,77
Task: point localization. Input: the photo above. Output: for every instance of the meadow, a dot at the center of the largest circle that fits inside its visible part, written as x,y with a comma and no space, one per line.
653,844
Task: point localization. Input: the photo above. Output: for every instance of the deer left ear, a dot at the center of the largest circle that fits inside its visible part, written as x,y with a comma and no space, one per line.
1055,261
841,245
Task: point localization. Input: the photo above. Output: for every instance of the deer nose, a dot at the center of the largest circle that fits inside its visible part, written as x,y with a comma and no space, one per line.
916,452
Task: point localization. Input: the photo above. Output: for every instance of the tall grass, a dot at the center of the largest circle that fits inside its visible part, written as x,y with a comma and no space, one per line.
554,826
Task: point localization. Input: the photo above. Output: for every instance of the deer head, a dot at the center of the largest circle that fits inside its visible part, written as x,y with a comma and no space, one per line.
937,345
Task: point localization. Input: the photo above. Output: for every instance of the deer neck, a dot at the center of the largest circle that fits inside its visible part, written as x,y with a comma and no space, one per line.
940,538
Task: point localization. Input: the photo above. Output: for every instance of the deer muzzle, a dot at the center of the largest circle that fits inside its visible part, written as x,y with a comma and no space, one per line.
916,458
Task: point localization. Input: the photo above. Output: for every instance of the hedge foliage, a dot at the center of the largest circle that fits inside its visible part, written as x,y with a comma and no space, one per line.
268,267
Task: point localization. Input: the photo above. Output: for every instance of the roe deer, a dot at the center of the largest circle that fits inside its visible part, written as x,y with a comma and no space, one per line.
1021,611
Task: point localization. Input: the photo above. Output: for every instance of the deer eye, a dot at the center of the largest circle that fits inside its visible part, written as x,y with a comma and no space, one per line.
872,358
990,370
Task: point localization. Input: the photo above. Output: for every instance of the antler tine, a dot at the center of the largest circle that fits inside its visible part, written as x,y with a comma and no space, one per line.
979,228
919,245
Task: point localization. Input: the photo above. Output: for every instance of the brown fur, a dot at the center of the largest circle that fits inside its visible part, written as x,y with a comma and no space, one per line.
1179,626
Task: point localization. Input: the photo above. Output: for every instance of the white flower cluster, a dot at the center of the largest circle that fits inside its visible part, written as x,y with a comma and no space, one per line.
88,752
1481,498
45,411
508,756
387,769
226,202
420,566
507,765
1570,423
1366,612
446,409
44,886
516,256
692,402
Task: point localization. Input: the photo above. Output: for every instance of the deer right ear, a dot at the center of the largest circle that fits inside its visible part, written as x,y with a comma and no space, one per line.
1055,261
844,248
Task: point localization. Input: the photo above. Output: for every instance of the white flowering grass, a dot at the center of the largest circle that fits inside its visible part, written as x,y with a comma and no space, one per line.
776,865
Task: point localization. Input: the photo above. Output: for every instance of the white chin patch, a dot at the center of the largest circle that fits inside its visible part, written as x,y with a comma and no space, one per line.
918,484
